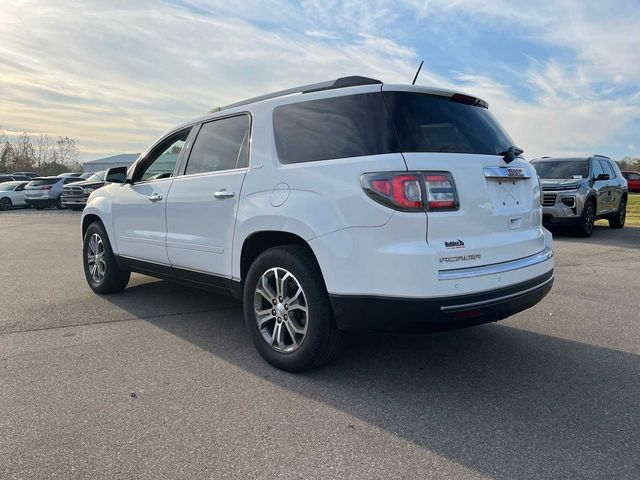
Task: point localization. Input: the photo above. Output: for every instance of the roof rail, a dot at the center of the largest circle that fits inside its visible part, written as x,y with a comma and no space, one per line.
341,82
602,156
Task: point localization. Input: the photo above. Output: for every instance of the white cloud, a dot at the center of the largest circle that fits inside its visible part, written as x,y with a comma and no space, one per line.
115,75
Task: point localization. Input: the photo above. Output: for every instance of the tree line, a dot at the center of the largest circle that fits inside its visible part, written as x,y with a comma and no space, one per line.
629,163
41,154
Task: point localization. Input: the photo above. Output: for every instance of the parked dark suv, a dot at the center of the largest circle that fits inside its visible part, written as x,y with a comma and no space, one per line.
579,191
75,195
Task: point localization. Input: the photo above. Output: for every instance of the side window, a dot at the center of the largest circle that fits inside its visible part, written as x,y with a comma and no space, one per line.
161,162
20,187
633,176
336,127
597,169
609,169
220,145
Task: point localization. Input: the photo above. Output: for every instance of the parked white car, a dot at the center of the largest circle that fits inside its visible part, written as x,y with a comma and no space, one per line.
347,204
12,195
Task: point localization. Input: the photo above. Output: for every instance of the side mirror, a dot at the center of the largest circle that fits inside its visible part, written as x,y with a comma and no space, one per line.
603,176
116,175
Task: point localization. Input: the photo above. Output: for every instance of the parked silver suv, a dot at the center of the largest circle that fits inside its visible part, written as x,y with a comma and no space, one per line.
44,192
579,191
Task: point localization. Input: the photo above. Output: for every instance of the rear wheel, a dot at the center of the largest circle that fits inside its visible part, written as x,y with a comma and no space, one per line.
100,267
585,229
620,217
5,203
59,204
287,310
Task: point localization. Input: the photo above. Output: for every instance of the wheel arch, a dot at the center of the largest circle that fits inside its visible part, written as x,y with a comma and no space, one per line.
258,242
88,220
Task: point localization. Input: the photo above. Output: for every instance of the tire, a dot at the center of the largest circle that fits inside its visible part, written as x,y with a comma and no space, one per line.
59,204
585,229
5,203
310,310
39,207
113,279
617,221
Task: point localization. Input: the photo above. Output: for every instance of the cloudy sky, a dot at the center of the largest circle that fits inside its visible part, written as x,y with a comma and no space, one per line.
563,76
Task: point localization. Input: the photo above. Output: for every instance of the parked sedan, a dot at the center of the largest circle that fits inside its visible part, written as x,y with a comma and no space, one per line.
75,196
27,174
633,180
12,195
5,177
47,191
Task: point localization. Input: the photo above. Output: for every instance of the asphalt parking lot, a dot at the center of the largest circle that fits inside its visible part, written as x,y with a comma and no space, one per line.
161,381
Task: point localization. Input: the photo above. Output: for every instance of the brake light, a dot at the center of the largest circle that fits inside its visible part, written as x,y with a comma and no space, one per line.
45,187
406,191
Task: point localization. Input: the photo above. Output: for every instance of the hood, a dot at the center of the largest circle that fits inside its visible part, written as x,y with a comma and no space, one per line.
89,184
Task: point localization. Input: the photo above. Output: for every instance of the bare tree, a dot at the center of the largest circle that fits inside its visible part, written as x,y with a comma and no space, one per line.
43,148
66,152
23,153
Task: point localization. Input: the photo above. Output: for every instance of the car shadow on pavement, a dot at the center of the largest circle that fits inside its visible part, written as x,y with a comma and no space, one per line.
506,402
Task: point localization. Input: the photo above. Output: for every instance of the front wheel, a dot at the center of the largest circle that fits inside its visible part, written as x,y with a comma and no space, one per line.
585,229
100,267
287,310
5,203
620,217
60,205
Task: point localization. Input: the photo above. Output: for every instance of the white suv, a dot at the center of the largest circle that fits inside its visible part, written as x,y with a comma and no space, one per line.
342,205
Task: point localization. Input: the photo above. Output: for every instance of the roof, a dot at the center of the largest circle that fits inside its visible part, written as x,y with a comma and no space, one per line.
352,81
120,158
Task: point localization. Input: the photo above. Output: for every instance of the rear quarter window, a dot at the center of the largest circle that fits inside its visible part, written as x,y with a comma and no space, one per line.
336,127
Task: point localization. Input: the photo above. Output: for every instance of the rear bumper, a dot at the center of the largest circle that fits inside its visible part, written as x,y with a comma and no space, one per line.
438,314
45,202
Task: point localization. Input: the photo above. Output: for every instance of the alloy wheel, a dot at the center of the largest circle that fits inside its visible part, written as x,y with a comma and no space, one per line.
281,311
5,204
589,218
95,258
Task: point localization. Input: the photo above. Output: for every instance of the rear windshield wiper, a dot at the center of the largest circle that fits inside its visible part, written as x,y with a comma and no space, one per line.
511,153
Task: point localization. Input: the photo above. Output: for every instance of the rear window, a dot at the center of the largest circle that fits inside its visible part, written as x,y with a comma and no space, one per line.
337,127
431,123
565,169
44,181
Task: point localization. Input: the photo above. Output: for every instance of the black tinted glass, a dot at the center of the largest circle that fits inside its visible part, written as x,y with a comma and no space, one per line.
221,145
428,123
337,127
562,169
44,181
606,166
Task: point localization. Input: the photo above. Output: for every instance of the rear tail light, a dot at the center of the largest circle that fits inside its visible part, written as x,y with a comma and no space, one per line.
441,192
45,187
412,191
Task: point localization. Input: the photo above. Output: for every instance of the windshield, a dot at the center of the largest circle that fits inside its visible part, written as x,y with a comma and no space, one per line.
430,123
562,169
8,186
96,177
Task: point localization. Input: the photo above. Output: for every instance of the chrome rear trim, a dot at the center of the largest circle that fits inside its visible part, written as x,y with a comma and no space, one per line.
494,268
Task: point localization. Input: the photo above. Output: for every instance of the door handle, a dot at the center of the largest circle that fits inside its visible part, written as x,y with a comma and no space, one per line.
224,193
155,197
